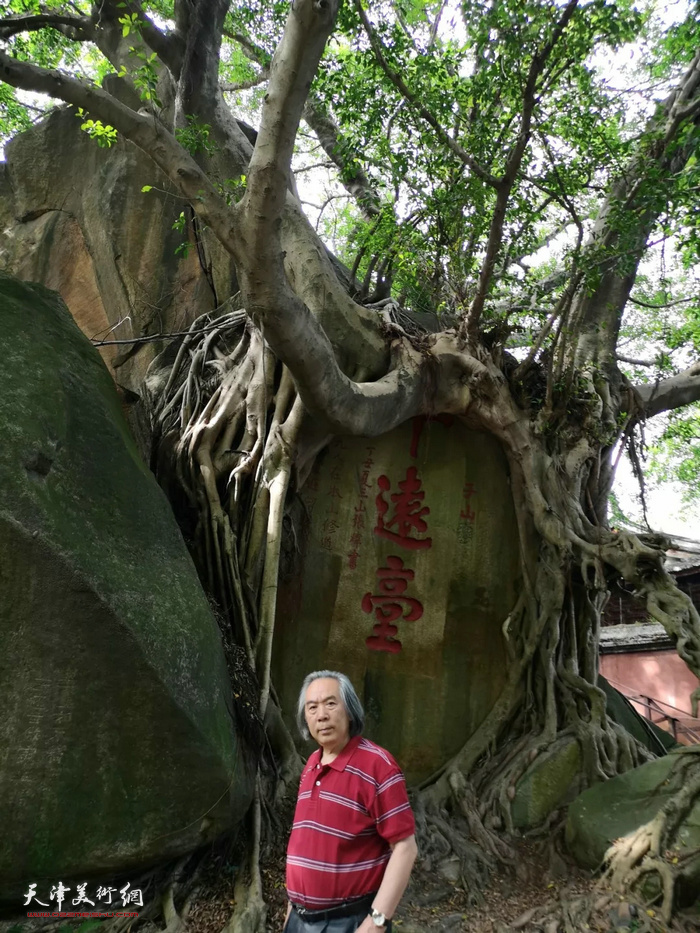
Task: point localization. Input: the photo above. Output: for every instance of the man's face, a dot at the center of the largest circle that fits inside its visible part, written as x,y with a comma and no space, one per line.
326,716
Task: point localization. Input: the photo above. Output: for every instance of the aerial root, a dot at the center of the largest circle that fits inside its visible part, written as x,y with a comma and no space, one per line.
648,862
448,849
600,909
465,798
250,911
174,922
234,419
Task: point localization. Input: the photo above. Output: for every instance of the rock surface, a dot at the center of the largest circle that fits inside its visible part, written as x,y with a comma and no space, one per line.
117,745
74,217
549,783
616,808
416,526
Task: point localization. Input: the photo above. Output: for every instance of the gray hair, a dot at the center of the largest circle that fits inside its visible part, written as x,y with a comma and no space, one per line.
348,698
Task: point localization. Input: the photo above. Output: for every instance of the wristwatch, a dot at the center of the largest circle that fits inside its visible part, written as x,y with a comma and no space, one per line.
378,919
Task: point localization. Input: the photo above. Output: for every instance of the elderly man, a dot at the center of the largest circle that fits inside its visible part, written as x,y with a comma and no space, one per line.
352,845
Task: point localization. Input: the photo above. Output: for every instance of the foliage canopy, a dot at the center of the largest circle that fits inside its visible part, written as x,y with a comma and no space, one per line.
418,112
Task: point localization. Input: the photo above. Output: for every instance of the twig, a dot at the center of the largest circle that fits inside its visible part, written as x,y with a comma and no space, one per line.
236,318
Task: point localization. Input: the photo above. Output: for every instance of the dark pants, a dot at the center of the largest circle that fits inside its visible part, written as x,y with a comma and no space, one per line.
295,924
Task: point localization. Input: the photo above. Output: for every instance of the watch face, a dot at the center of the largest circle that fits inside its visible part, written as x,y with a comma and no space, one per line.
378,919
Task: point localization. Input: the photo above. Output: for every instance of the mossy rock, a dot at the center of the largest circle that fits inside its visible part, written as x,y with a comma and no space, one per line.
117,745
549,783
615,808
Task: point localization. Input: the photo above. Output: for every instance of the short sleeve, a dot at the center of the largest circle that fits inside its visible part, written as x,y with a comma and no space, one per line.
391,810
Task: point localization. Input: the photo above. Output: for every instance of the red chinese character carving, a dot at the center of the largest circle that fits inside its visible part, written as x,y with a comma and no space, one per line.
330,526
408,513
352,559
390,605
358,520
467,512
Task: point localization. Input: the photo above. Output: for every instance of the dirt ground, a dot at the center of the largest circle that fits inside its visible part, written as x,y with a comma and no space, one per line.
512,901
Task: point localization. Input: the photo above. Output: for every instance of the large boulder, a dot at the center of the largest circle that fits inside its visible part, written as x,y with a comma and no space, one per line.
402,571
615,808
117,744
73,217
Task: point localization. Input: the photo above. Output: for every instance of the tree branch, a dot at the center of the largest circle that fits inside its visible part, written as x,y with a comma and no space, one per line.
633,361
664,304
253,51
79,28
414,101
505,184
250,232
352,175
256,81
169,48
293,67
615,248
327,132
199,77
198,90
123,51
669,394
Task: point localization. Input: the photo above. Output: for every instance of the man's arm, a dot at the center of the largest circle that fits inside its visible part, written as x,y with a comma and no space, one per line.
286,916
394,882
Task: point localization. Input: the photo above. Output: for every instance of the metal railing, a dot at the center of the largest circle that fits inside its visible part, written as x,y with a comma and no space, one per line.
677,726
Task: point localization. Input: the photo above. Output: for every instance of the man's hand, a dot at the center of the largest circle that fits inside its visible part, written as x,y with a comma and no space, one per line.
368,926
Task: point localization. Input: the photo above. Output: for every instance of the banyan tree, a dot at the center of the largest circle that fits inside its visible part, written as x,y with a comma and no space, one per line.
390,443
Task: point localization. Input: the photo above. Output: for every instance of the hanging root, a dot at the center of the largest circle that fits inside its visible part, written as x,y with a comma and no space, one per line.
234,419
250,911
600,910
162,889
448,849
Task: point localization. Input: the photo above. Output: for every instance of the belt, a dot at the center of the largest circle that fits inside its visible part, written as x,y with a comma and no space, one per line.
345,909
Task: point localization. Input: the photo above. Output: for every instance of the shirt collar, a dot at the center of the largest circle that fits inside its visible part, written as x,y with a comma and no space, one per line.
339,763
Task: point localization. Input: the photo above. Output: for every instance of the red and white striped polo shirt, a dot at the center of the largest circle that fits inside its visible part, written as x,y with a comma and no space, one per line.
348,814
